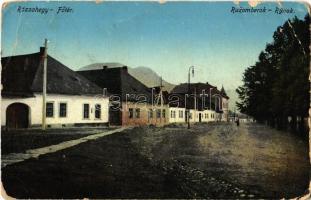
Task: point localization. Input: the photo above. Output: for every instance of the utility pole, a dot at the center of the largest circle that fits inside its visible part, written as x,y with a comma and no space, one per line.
161,96
152,107
188,108
44,84
195,104
210,98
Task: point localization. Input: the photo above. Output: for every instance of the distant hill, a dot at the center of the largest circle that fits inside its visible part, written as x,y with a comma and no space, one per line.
144,74
100,66
149,77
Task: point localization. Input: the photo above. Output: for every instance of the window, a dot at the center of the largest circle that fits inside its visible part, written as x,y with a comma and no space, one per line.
173,113
163,113
63,110
86,111
130,112
137,113
97,111
150,113
181,114
49,109
158,113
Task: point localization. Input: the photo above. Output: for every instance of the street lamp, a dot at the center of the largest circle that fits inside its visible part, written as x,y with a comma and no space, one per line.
191,68
210,98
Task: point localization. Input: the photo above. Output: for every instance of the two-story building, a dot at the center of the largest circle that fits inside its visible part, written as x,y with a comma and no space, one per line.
131,102
204,102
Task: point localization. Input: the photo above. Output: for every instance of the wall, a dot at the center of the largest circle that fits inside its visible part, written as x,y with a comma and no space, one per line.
177,118
195,115
144,118
74,109
210,116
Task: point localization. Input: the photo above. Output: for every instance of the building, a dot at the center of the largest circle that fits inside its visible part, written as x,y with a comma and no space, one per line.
131,102
205,102
71,99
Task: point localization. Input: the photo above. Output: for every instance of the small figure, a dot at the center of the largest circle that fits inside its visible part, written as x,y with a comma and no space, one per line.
237,121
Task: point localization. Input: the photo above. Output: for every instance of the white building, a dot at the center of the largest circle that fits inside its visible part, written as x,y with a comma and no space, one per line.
178,115
71,99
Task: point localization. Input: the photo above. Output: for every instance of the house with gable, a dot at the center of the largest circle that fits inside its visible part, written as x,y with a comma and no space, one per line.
197,100
204,101
131,102
71,100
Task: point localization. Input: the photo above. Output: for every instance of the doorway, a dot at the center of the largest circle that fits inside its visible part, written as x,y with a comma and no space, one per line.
17,116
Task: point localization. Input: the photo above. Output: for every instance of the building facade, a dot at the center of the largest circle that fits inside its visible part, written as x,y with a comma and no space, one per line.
71,99
206,102
131,102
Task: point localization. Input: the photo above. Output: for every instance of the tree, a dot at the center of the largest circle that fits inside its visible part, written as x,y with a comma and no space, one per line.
276,88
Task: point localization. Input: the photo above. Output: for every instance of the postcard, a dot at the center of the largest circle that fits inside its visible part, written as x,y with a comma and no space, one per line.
155,100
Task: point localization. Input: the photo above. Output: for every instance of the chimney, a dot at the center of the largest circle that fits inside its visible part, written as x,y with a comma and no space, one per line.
42,50
105,91
105,67
124,68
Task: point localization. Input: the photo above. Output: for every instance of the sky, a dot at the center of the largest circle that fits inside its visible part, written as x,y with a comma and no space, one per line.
168,37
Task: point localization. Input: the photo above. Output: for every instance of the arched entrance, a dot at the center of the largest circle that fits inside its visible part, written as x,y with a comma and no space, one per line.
17,116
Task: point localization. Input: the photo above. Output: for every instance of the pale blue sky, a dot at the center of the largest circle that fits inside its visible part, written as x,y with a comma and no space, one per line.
166,37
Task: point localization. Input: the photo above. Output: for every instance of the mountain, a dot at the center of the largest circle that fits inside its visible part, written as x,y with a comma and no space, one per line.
149,77
144,74
100,66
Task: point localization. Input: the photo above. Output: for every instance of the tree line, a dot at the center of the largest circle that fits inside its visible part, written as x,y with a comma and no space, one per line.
275,90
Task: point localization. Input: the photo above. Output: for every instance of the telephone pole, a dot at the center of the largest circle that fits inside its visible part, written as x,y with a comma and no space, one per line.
191,69
161,96
44,84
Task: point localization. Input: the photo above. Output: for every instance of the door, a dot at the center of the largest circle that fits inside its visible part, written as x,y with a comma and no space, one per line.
17,116
200,117
186,116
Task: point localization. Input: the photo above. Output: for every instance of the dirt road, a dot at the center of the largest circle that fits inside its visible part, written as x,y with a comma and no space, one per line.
207,161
